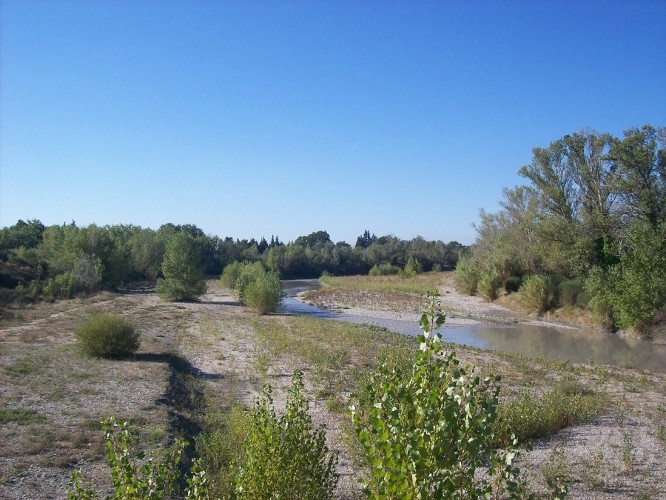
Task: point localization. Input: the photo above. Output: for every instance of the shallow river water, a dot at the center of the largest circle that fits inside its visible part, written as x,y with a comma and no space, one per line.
576,346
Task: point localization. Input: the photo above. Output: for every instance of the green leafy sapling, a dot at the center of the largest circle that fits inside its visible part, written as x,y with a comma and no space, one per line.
428,429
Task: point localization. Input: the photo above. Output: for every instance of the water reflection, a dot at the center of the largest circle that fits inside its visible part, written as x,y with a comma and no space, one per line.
294,307
577,346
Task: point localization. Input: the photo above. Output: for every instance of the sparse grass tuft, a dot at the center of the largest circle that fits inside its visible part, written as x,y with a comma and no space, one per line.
21,416
21,368
533,416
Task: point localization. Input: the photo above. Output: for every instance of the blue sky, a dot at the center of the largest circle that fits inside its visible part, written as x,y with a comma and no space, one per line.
254,119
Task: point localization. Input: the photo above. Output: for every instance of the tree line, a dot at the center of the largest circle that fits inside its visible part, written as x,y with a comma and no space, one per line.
588,229
62,261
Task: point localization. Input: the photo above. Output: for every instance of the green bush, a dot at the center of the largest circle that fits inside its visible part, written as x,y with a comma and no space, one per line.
283,457
598,286
264,294
230,274
107,336
412,268
63,286
534,416
257,288
134,476
247,273
467,275
489,283
638,281
583,299
568,291
220,445
536,292
384,270
428,428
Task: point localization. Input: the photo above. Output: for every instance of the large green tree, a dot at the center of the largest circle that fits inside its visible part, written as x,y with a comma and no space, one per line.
594,212
181,269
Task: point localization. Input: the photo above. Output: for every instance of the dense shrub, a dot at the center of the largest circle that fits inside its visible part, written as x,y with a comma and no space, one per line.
534,416
87,272
220,445
107,336
134,476
258,288
568,291
598,286
230,274
384,270
283,457
536,292
637,283
467,276
81,281
489,283
583,299
264,294
247,273
412,268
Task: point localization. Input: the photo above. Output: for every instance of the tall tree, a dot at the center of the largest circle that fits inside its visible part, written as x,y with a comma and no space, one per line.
641,168
182,275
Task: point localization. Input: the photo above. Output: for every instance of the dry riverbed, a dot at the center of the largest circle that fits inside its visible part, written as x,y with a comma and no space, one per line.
52,398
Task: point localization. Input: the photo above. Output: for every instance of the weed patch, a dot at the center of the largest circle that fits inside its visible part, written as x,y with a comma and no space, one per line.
21,368
20,416
532,415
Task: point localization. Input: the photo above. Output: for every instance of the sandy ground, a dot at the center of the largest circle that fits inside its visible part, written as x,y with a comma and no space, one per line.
619,455
41,372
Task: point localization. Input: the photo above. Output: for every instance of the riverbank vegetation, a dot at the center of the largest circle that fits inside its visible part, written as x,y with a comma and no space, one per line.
255,286
393,292
66,261
588,230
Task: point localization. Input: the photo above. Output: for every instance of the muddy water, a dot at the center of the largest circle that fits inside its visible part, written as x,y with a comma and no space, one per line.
576,346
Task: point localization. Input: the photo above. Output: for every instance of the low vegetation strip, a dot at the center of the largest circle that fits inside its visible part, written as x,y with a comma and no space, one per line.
335,297
419,284
21,416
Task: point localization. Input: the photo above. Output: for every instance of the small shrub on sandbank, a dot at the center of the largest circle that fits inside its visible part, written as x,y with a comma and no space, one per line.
258,288
107,336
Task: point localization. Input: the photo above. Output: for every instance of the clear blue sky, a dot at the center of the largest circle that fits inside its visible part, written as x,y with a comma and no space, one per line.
256,118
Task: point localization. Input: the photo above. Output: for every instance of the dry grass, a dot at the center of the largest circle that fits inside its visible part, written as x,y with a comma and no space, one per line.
567,314
419,284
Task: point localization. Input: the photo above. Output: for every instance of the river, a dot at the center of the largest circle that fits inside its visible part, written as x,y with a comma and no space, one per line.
574,345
